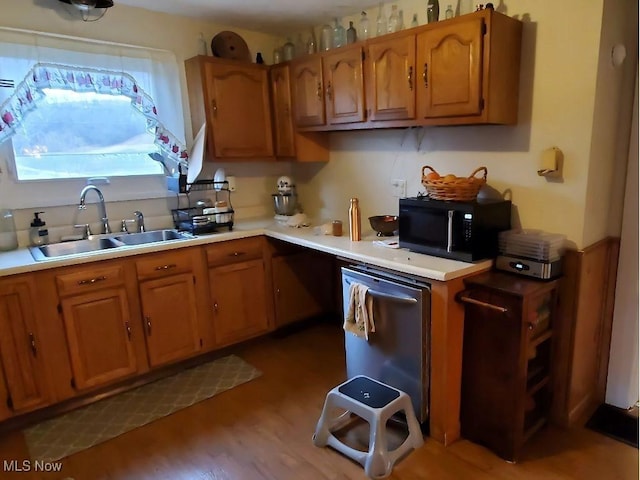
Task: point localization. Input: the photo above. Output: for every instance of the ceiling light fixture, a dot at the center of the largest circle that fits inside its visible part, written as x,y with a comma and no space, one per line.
90,10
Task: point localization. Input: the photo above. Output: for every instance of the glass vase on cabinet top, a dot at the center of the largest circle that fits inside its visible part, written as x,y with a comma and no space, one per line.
364,29
339,34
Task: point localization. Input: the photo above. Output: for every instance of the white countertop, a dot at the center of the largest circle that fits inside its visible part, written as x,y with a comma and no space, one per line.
366,251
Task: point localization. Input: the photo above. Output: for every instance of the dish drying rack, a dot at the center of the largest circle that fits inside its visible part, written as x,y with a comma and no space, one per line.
193,219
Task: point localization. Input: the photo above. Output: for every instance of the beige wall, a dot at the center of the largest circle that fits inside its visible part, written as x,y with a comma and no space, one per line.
569,99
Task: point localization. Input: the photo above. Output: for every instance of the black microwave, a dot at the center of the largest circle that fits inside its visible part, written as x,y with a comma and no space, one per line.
465,231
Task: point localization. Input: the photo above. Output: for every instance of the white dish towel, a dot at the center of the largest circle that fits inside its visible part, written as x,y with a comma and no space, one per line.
359,317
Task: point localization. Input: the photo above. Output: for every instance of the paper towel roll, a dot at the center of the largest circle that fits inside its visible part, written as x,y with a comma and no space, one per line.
551,163
197,154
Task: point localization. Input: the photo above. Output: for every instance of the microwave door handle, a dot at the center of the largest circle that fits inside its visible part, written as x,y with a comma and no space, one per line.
449,230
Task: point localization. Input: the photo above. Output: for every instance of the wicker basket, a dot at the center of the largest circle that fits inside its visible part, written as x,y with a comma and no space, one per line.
462,189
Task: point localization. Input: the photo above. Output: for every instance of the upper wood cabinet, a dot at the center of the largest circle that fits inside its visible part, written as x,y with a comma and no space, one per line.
460,71
308,91
344,85
391,78
233,98
26,386
469,70
284,132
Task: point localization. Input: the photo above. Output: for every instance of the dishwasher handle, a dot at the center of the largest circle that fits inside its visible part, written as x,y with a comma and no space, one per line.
394,298
388,296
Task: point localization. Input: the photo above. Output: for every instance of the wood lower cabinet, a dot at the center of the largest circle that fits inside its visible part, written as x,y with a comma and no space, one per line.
302,286
23,380
507,364
391,78
237,290
344,85
233,99
103,337
169,304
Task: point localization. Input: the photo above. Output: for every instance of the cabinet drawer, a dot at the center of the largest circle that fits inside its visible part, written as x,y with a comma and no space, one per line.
88,279
224,253
161,264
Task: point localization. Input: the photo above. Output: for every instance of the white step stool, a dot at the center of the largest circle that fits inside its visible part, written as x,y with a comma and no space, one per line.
374,402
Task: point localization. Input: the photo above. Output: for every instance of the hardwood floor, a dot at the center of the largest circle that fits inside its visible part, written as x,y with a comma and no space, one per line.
262,430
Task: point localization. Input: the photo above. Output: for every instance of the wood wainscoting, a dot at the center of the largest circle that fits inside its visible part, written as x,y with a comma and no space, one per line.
581,350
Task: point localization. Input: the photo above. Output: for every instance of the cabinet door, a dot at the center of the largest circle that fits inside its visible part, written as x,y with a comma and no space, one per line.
391,78
170,318
344,87
98,330
240,110
19,353
281,94
238,300
302,285
450,59
308,91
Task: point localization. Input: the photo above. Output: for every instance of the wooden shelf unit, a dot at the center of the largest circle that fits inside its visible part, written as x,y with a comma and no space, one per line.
507,360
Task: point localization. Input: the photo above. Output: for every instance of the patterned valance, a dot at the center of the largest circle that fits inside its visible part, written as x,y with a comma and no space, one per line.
48,75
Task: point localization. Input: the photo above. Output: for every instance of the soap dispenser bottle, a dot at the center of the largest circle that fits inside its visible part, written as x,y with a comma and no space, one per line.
38,233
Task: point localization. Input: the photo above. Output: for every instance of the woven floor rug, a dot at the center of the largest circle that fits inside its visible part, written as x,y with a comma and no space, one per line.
80,429
615,423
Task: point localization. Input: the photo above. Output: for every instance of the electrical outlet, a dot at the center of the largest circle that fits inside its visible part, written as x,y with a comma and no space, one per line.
399,187
232,183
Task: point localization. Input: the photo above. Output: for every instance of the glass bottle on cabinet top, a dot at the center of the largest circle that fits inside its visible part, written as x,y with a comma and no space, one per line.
301,46
364,30
414,20
394,20
448,12
288,50
352,36
381,22
339,34
433,11
277,55
326,37
401,20
312,47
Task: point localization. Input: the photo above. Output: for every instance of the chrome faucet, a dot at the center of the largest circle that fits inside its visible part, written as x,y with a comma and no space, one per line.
102,210
139,221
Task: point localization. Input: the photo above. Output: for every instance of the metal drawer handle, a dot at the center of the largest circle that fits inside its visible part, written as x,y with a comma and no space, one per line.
128,327
410,78
166,267
91,281
237,254
465,299
424,76
148,322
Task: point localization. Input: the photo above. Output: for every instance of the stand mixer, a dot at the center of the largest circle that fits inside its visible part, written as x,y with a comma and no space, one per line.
285,202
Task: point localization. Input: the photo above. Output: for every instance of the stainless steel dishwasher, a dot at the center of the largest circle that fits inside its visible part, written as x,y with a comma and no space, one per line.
398,352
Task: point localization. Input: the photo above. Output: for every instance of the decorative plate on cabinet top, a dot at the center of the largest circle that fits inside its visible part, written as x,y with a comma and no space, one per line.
230,45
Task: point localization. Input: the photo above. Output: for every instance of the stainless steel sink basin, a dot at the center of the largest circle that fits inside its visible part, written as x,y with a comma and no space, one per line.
64,249
71,248
149,237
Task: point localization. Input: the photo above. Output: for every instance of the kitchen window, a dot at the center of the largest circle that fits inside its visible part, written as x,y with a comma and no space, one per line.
78,109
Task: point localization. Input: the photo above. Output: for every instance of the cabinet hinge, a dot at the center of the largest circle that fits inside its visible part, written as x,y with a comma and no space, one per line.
484,28
59,308
201,343
481,104
10,402
363,55
73,383
194,279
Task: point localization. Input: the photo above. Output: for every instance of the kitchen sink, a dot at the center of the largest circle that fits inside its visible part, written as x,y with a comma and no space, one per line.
149,237
94,244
